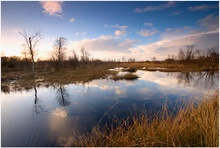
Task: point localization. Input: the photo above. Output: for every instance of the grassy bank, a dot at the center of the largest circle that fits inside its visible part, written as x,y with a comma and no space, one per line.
86,73
192,126
163,66
81,74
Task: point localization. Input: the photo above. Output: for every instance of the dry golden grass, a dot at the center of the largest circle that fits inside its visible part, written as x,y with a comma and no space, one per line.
127,76
81,74
192,126
162,66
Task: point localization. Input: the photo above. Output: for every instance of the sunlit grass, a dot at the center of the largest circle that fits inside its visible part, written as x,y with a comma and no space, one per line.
194,125
163,66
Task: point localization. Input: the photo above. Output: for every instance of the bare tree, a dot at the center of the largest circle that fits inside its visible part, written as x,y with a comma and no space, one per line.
62,96
154,59
131,60
188,55
211,57
59,53
208,58
73,60
84,55
30,43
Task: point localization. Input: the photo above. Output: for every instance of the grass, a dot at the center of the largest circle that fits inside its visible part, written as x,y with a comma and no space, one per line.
81,74
86,73
193,126
127,76
163,67
131,69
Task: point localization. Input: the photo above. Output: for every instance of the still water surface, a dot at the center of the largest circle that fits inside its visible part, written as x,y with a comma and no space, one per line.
42,115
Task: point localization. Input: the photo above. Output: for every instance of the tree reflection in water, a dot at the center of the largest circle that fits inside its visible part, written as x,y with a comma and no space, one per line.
62,96
37,107
206,79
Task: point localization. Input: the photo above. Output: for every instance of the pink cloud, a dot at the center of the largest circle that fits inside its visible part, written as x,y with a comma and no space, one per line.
120,32
53,8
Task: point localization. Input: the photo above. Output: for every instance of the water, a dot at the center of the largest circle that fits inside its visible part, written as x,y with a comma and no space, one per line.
42,115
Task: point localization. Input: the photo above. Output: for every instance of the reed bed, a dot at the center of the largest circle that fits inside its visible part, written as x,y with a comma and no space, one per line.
195,125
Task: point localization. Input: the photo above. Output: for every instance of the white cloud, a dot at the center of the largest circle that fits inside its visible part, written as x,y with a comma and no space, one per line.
176,33
116,26
112,47
120,32
210,22
162,48
127,43
156,8
59,112
121,27
105,43
53,8
105,47
78,33
149,24
83,33
146,33
202,7
120,92
72,20
168,29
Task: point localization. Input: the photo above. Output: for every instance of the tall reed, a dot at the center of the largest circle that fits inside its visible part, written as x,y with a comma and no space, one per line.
193,125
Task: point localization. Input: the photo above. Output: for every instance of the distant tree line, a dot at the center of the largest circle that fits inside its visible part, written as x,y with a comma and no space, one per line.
191,56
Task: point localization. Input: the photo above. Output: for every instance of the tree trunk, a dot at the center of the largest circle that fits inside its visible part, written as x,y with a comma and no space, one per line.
32,55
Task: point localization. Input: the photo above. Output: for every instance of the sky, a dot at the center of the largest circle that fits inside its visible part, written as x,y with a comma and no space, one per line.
111,30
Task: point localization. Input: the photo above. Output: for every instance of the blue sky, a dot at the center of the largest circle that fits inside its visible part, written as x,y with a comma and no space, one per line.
112,30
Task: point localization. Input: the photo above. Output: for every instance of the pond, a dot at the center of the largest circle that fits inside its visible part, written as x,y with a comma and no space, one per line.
42,115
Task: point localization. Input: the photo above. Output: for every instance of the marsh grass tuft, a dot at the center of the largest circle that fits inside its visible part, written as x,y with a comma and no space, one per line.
194,125
127,76
132,69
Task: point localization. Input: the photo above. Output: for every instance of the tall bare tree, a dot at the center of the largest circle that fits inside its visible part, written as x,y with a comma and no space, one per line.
84,55
30,43
59,53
